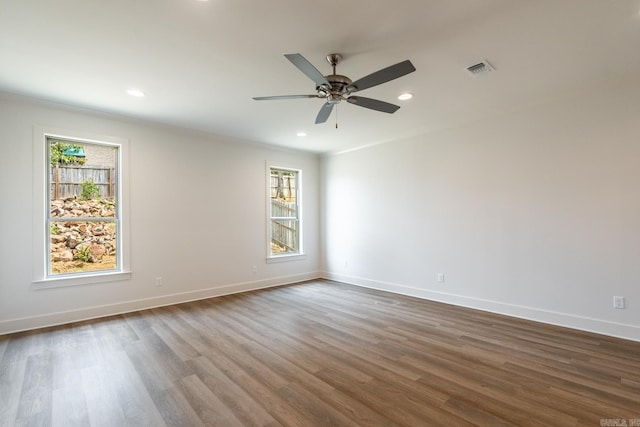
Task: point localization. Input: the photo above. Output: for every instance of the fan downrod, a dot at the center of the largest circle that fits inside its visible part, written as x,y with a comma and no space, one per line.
339,83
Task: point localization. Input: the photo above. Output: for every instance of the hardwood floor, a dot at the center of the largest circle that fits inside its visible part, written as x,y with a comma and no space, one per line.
316,354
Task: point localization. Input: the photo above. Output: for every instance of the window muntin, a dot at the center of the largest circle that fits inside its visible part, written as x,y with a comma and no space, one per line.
284,212
83,220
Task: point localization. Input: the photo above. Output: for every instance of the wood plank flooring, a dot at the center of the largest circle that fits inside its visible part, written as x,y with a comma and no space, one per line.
318,353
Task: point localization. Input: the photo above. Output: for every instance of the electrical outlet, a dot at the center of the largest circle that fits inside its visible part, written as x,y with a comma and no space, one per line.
254,269
440,277
618,302
346,264
158,282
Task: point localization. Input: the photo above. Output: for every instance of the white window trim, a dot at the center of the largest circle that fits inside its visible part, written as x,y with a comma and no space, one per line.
41,278
284,257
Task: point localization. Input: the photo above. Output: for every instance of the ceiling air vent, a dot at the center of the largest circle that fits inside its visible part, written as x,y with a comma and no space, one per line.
480,69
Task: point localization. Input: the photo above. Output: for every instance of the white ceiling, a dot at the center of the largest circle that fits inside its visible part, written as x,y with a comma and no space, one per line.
201,62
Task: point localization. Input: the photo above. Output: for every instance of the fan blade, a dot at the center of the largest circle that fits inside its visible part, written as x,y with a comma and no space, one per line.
373,104
324,113
271,98
382,76
308,69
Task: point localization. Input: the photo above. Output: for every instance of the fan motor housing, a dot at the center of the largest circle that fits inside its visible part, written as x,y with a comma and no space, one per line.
339,84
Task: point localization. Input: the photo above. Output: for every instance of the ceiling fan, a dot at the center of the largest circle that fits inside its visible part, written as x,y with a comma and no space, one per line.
335,87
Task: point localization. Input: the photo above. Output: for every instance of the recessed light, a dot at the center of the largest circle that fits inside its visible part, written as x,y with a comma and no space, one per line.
405,96
135,92
301,134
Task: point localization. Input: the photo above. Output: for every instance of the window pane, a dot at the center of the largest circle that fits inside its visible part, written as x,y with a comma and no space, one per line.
284,186
82,179
284,236
81,246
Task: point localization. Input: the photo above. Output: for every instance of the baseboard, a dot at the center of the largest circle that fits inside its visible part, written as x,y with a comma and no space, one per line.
619,330
59,318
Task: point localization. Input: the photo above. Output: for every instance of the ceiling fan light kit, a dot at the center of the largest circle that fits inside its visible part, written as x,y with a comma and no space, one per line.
335,88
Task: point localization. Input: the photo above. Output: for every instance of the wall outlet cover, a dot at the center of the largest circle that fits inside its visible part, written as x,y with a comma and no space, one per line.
618,302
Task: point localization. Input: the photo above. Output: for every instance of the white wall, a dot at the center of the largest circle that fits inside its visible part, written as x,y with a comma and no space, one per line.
534,214
197,217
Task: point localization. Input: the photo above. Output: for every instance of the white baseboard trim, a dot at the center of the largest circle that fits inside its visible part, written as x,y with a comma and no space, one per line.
619,330
59,318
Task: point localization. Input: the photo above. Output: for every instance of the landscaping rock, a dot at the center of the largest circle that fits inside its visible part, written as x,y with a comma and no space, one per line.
56,238
97,251
64,255
72,236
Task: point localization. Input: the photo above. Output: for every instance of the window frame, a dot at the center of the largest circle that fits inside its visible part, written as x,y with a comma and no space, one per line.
271,257
42,278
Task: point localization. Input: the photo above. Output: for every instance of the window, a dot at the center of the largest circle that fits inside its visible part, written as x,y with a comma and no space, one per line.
79,231
83,218
285,235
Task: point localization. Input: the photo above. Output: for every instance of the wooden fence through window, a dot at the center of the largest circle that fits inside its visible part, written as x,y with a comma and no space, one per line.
284,232
66,181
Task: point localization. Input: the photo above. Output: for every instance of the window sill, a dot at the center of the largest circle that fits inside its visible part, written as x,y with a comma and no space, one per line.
285,258
88,279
